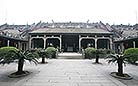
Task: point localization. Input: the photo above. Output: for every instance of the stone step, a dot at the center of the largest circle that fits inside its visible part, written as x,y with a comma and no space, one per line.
69,55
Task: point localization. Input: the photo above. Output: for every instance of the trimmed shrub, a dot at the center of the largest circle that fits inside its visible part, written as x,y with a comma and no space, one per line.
51,52
104,52
132,54
90,52
42,54
101,53
8,54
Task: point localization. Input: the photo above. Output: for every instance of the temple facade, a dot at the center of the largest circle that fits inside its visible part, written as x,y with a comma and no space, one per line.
71,39
65,36
69,36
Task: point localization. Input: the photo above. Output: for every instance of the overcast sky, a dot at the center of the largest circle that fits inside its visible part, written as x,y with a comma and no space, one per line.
30,11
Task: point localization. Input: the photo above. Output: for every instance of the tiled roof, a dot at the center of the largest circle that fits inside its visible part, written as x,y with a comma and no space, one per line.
127,33
13,31
70,30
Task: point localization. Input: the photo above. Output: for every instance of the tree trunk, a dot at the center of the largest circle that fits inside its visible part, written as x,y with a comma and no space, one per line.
97,58
43,59
120,66
20,66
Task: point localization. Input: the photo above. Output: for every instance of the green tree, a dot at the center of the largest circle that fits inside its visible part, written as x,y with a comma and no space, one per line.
42,54
120,60
102,53
132,53
50,52
98,53
10,54
95,53
90,53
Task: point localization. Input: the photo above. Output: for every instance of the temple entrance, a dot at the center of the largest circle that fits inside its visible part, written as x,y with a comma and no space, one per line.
37,43
55,42
70,43
103,44
87,43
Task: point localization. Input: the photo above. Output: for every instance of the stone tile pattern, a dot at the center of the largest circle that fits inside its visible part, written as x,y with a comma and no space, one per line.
70,73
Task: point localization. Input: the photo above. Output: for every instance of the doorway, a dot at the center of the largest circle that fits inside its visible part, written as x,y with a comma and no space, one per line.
70,43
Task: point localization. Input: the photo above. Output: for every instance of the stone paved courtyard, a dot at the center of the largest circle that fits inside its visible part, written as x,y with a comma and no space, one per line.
68,72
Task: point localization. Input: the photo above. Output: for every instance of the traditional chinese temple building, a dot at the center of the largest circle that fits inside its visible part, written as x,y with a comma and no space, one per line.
71,37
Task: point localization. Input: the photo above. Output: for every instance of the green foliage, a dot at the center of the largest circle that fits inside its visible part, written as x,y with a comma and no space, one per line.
132,54
31,55
41,52
10,54
101,53
51,52
93,53
113,58
90,52
104,52
108,51
120,60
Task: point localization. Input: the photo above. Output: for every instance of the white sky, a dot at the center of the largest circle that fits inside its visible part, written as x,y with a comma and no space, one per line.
30,11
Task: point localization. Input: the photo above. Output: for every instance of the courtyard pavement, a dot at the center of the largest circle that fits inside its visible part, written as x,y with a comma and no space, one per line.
68,72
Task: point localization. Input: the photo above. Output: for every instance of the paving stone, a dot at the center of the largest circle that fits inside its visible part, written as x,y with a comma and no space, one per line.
89,84
61,72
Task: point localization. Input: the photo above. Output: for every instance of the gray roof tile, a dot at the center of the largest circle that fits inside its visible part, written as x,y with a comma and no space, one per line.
70,30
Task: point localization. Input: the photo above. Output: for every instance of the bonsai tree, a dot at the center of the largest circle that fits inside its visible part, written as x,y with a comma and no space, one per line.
42,54
50,52
10,54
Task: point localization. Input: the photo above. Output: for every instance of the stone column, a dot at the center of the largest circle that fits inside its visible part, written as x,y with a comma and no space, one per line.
44,43
60,39
110,44
8,43
26,46
19,45
134,44
80,43
30,40
96,43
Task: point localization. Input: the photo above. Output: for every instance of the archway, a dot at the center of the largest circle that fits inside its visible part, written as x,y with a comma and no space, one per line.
55,42
136,42
70,43
103,44
37,43
87,43
3,42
